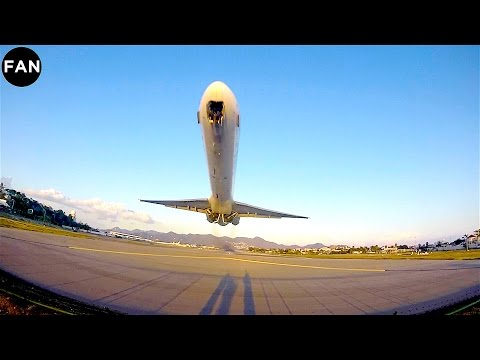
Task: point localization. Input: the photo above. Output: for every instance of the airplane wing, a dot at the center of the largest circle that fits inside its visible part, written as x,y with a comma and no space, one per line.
198,205
245,210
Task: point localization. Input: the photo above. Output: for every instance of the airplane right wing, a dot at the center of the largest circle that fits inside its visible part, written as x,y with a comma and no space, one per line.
198,205
245,210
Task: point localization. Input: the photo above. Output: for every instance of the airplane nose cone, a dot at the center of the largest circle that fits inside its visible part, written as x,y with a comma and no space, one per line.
217,86
217,90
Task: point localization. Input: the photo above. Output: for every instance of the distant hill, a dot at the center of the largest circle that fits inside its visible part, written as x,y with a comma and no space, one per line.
314,246
223,242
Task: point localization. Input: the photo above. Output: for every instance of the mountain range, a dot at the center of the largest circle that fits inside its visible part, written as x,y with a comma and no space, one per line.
210,240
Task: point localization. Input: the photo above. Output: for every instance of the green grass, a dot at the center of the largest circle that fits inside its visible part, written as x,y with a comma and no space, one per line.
30,226
436,255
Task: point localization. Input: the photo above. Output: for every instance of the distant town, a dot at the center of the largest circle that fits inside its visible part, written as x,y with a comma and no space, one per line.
16,204
472,241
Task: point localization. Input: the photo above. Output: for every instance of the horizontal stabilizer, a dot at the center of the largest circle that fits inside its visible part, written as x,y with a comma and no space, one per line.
198,205
245,210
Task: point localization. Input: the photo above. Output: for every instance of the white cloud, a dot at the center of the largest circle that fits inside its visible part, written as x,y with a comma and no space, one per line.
101,209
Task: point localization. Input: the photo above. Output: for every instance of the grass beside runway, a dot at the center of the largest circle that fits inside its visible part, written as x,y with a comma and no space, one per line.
30,226
436,255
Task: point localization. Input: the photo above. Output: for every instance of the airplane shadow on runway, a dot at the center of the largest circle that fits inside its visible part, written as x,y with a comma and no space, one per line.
226,289
248,303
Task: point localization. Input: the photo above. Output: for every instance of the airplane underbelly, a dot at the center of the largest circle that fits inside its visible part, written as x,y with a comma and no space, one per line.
220,143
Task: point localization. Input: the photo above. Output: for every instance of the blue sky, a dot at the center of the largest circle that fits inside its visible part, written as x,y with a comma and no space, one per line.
376,144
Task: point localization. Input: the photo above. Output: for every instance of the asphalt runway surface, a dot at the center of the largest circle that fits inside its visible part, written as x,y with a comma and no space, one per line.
145,279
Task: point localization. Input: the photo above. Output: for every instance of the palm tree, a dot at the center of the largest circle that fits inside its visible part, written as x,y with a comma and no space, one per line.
466,240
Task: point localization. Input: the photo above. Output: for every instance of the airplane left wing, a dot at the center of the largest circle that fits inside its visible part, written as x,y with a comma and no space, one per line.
245,210
198,205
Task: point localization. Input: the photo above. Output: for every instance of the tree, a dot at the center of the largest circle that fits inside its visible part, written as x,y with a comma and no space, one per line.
20,205
465,236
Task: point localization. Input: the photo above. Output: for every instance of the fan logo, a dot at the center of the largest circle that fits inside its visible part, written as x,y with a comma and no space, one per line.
21,66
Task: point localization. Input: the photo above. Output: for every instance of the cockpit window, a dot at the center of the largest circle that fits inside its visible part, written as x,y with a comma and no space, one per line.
215,112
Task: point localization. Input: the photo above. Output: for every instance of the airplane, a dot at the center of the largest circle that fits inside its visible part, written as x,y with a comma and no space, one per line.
219,118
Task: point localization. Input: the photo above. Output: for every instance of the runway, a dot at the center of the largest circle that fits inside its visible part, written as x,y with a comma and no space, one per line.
140,278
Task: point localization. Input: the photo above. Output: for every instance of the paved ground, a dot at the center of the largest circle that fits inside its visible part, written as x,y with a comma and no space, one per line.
139,278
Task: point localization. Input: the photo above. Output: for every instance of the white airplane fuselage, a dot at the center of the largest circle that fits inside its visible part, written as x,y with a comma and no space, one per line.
219,118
